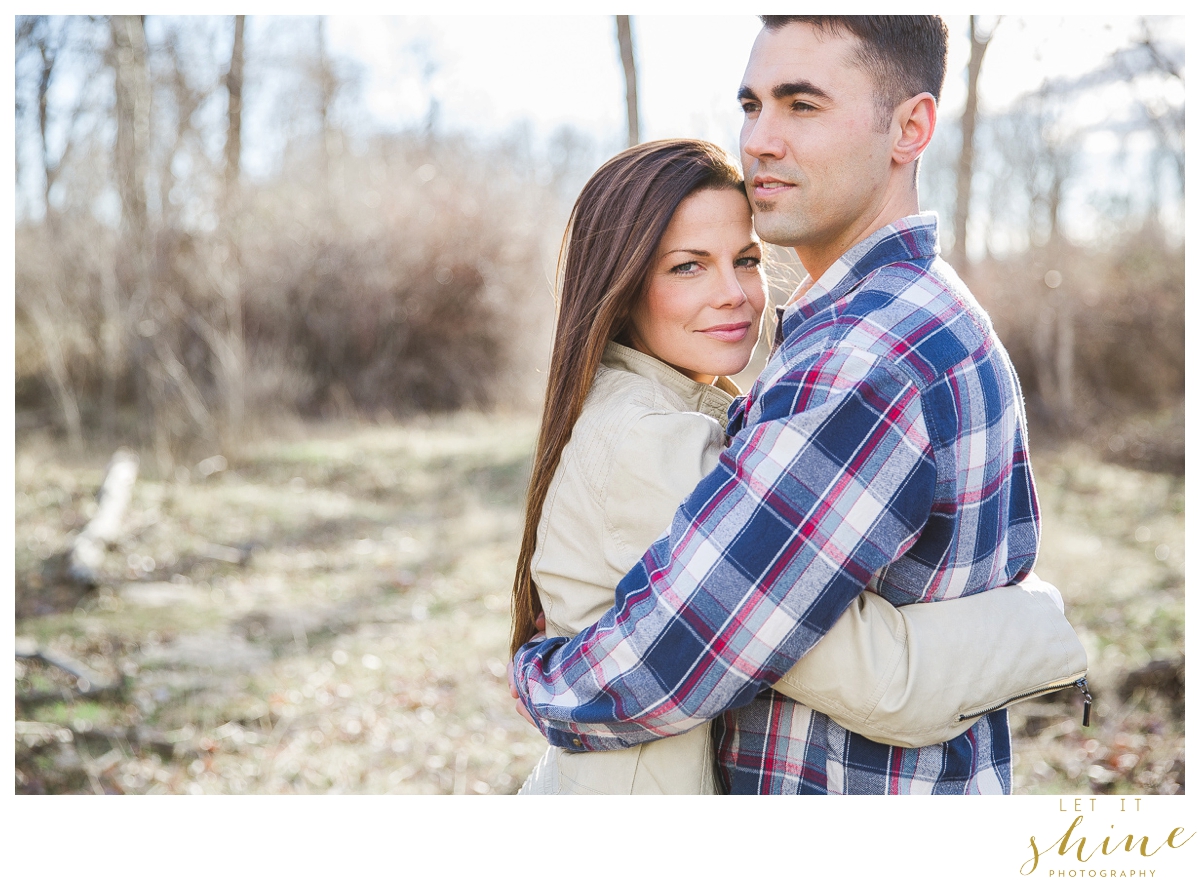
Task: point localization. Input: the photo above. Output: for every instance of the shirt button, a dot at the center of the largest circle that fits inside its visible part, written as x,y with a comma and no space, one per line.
577,741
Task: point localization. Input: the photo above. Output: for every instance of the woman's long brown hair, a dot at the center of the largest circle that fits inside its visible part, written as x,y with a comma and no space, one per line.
604,265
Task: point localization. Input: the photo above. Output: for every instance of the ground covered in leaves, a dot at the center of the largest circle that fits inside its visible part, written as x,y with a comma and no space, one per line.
330,614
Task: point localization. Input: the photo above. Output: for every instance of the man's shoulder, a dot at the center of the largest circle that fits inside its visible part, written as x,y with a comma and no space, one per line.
916,315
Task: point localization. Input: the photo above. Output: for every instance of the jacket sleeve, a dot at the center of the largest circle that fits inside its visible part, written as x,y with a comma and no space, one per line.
922,674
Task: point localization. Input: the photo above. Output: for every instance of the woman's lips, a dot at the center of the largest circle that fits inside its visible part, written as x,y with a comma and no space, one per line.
728,332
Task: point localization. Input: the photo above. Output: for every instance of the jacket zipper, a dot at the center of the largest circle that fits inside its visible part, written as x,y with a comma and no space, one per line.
1080,683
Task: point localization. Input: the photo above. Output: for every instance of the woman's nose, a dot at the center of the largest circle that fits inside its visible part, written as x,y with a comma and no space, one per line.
730,292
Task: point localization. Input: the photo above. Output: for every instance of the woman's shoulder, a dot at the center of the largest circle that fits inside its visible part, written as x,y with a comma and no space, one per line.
617,401
621,401
625,393
632,417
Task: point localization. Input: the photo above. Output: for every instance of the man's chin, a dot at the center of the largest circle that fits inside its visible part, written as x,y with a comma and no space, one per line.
772,227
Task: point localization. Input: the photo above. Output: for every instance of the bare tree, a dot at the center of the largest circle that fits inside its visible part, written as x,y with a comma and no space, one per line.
966,157
49,45
128,60
1165,121
132,106
233,85
230,346
186,97
625,43
127,57
326,91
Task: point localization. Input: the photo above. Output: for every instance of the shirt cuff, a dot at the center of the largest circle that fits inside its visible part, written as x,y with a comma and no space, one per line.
536,654
528,655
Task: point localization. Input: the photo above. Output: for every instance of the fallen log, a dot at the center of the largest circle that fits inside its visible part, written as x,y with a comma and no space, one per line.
89,547
36,735
87,681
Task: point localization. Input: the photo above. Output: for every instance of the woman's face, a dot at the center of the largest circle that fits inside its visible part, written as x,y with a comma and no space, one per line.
702,308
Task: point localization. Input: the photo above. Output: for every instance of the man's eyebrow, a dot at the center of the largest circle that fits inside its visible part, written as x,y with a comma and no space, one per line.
801,87
786,90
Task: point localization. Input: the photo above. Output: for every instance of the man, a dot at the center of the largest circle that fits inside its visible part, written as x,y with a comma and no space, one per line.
882,448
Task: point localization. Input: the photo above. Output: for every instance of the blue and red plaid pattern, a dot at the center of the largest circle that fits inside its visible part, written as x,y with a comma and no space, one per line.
882,448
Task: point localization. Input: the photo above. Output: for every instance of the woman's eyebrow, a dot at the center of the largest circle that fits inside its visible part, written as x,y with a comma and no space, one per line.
687,251
752,246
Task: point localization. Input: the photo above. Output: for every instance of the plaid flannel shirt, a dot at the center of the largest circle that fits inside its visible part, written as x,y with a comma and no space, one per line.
882,448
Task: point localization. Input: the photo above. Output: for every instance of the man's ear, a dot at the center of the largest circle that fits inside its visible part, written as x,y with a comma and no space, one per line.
914,122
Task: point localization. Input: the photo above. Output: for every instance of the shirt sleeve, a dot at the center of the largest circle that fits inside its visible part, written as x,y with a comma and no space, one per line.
831,482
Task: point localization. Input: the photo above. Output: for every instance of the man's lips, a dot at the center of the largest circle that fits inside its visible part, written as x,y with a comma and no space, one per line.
766,187
727,332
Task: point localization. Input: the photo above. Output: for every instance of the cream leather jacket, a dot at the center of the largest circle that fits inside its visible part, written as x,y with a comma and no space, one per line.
646,436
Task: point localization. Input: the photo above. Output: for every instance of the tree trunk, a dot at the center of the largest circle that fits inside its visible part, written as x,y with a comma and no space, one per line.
625,42
966,157
233,83
232,355
48,169
326,88
132,108
133,118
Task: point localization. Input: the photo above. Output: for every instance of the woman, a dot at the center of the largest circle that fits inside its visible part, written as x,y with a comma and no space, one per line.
662,294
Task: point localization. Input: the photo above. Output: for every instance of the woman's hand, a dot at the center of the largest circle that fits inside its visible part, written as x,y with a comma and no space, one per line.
540,623
1034,584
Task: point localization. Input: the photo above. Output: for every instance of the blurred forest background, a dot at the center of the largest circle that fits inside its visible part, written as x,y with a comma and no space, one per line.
329,372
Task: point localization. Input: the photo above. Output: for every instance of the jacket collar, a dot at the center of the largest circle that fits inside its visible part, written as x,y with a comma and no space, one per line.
711,400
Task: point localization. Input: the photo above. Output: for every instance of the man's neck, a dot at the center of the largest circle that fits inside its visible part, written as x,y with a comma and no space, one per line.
817,258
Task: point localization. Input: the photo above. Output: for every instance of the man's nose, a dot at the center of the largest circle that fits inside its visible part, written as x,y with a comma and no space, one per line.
760,137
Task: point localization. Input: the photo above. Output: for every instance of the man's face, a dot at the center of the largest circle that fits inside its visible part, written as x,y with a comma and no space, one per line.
817,167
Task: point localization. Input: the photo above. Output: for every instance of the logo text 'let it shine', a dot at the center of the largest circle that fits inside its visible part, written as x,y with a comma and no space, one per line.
1074,843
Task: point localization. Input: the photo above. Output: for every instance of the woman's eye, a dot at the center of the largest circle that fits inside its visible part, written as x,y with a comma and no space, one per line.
687,268
748,263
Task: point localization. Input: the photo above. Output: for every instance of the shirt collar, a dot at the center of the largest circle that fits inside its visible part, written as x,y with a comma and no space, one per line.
912,238
712,400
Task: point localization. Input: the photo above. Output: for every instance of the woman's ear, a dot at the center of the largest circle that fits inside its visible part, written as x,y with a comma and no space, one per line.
913,123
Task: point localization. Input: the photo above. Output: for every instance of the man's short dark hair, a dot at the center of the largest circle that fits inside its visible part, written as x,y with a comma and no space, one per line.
906,54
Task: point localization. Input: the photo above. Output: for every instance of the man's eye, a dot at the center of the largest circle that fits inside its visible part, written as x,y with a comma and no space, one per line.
803,107
750,107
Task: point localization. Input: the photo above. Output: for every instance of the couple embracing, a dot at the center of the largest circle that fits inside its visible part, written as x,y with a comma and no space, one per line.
838,593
